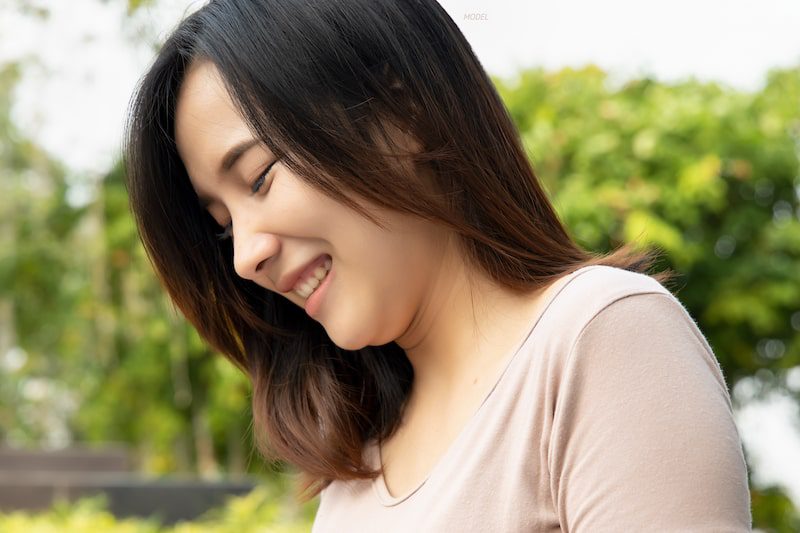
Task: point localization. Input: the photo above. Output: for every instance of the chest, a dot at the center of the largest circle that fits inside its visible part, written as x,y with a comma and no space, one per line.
413,451
429,429
486,473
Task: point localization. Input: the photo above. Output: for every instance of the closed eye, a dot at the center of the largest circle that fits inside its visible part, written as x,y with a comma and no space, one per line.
261,178
227,232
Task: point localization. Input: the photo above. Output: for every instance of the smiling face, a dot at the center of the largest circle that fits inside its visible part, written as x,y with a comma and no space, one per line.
379,279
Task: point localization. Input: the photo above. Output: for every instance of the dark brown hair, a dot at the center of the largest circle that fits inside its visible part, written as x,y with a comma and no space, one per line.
320,83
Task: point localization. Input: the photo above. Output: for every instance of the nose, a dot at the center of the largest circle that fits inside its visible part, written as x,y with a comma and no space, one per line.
251,251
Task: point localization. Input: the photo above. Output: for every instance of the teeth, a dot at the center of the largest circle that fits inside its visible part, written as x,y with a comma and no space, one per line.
309,285
305,289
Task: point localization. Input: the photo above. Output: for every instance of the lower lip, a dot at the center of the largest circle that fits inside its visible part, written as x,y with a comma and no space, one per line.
314,301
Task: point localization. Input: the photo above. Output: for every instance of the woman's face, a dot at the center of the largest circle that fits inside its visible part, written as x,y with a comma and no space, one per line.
378,279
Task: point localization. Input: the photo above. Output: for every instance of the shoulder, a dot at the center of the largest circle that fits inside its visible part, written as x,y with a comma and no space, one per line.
626,329
584,294
600,285
604,317
602,305
642,429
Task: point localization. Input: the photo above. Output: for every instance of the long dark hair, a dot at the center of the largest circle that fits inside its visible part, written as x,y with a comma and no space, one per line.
321,84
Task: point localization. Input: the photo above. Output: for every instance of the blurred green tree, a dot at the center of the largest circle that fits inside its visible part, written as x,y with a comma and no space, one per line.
91,349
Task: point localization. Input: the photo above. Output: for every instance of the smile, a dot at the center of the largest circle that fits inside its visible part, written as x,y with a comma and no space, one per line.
307,286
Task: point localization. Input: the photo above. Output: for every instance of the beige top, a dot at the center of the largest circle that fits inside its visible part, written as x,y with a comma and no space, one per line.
611,415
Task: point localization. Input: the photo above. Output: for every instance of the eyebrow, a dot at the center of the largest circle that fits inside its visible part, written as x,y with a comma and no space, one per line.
228,161
233,155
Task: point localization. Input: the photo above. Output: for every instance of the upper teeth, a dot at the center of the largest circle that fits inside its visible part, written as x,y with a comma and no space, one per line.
307,286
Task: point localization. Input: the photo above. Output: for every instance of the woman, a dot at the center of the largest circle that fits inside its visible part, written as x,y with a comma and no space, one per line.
336,198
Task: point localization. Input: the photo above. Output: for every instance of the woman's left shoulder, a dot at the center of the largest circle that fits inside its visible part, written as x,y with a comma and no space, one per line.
608,282
643,432
587,292
626,303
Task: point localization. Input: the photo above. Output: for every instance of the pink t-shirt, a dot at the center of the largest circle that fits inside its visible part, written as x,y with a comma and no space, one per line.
611,415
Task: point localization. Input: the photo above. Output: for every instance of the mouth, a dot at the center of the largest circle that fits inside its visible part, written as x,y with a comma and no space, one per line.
313,303
313,276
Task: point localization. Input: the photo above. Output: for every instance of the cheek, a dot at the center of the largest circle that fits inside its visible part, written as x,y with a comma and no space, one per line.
393,266
291,211
376,294
395,279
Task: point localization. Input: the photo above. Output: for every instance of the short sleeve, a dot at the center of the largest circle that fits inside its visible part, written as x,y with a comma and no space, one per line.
643,435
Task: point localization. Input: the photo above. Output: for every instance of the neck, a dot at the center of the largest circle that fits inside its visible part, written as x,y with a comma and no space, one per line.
466,326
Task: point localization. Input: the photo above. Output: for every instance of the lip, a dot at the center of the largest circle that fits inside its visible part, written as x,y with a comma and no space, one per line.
287,283
313,303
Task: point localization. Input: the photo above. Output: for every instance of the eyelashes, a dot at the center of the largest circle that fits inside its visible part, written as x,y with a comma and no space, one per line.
227,231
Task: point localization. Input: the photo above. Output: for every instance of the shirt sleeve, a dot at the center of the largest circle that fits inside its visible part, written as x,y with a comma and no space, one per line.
643,434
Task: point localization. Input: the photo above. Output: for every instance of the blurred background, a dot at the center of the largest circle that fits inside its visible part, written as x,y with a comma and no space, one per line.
678,121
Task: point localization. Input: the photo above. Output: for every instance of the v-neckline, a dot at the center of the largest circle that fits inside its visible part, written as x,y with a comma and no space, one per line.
374,451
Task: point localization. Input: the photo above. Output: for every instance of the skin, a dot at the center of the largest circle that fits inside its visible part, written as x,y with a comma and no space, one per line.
407,284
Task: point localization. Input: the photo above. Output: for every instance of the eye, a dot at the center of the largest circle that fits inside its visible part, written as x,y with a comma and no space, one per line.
254,188
260,180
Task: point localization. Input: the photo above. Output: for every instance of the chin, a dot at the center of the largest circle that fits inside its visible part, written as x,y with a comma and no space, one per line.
355,341
349,343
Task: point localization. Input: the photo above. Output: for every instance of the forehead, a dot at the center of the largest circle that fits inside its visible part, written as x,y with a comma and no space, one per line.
206,119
